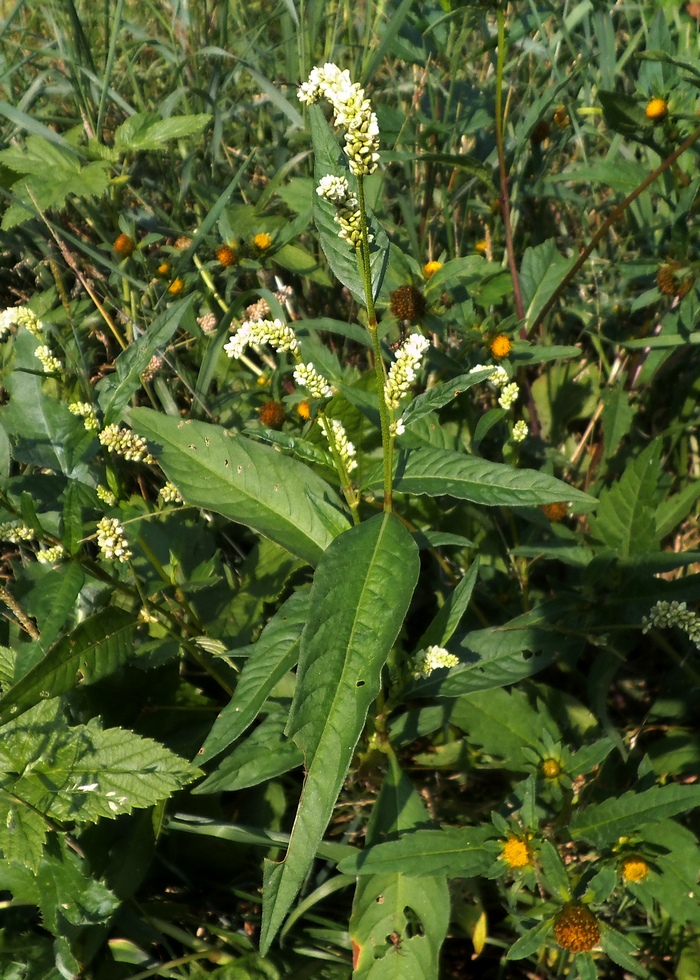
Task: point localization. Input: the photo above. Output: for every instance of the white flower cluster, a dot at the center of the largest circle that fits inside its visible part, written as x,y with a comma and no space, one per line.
344,448
432,659
402,372
170,494
50,364
509,395
665,614
306,376
15,531
19,316
347,208
87,412
124,443
397,428
520,431
50,556
112,541
279,335
106,496
498,377
351,111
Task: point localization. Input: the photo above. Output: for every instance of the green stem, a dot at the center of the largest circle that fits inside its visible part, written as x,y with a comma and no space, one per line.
363,256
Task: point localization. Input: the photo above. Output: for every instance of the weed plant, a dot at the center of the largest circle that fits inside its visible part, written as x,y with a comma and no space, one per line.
348,490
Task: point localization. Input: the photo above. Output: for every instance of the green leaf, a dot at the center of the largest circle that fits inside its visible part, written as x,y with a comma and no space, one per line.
450,615
93,650
84,773
440,395
342,257
618,416
61,587
246,482
263,755
147,131
359,597
22,832
398,922
622,951
603,823
275,653
457,852
115,390
625,520
671,512
438,472
530,942
542,269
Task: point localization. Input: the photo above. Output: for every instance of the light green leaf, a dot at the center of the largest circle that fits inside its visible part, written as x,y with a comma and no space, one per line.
626,511
93,650
246,482
275,653
449,616
359,597
147,131
342,258
458,853
542,269
438,472
22,832
603,823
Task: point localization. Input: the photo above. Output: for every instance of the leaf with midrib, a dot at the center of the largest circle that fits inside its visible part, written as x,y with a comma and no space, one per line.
247,482
605,822
458,853
359,598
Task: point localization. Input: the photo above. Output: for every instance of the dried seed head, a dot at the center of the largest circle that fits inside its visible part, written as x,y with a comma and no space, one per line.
407,303
271,414
576,928
675,279
556,511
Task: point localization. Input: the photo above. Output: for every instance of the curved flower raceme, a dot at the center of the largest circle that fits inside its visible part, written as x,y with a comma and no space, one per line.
402,372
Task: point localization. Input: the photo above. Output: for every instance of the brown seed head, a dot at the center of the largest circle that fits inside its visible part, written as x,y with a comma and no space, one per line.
407,303
575,928
672,282
556,511
272,414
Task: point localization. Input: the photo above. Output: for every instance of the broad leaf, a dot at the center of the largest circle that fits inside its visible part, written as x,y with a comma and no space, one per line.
359,597
246,482
147,131
625,520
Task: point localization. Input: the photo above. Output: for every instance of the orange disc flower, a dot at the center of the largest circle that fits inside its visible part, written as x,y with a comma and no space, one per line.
634,869
555,512
501,346
226,255
656,110
176,286
262,241
576,928
430,268
124,246
516,852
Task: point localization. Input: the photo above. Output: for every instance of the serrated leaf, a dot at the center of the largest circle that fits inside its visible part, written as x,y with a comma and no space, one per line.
602,823
273,655
115,390
342,257
625,519
457,853
22,832
450,614
246,482
622,951
530,942
438,472
618,416
671,512
93,650
359,597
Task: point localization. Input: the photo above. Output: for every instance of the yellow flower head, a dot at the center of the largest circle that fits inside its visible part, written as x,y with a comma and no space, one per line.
516,852
304,410
164,268
262,241
501,346
634,869
176,286
576,929
226,255
430,268
551,768
124,246
656,110
561,116
481,246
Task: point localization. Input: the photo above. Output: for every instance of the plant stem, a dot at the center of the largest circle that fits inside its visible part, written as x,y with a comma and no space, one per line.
500,145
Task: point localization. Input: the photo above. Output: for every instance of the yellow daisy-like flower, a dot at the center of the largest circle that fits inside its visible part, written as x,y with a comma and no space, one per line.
124,246
163,269
262,241
304,410
481,246
576,928
516,852
634,869
501,346
656,110
176,286
430,268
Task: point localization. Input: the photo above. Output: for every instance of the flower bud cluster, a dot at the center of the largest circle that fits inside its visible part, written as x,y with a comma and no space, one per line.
402,372
279,335
665,614
432,659
106,496
306,376
351,111
509,395
87,412
15,531
50,364
19,316
50,556
520,431
112,541
170,494
347,208
124,443
345,449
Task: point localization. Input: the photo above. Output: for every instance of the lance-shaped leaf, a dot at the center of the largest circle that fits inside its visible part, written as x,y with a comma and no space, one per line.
434,398
342,258
448,618
463,852
273,655
246,482
605,822
438,472
93,650
359,597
